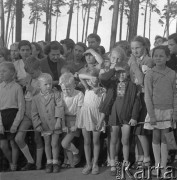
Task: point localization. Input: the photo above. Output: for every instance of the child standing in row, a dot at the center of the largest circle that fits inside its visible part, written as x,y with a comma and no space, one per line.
32,67
11,112
73,100
161,102
91,120
47,116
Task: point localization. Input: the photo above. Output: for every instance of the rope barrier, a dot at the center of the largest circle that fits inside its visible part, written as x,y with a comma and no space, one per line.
52,131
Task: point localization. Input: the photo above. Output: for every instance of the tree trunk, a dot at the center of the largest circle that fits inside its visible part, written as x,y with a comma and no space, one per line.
176,25
12,24
114,23
7,24
121,21
167,17
134,12
70,19
50,21
150,14
83,28
2,23
33,31
36,27
19,5
77,32
56,25
47,21
88,17
145,17
97,17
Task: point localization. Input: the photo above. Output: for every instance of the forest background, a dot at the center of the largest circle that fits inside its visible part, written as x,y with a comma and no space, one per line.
112,20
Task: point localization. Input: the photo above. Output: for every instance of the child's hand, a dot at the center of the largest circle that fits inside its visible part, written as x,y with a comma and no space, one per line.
99,126
73,128
13,129
153,121
39,129
132,122
65,129
2,129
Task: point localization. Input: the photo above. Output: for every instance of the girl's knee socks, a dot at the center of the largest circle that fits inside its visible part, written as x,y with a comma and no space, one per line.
156,151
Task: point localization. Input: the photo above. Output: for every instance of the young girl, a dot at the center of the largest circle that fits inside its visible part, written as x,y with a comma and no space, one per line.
91,120
73,100
161,102
118,60
11,112
137,62
47,114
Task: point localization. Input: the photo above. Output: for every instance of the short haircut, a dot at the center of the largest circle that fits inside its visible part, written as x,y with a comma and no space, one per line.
45,77
165,48
139,39
70,44
9,65
95,36
32,63
173,36
5,53
67,79
24,43
81,44
54,45
102,49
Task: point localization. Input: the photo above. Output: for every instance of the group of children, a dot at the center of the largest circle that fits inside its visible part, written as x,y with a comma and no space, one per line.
120,93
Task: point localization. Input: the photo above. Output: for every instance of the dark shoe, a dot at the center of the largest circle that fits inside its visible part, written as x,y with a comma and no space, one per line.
49,168
76,159
56,168
28,166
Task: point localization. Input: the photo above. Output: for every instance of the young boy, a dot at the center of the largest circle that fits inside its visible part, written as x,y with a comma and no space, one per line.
11,112
47,114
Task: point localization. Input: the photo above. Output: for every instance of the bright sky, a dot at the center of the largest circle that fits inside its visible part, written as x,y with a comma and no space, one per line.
104,29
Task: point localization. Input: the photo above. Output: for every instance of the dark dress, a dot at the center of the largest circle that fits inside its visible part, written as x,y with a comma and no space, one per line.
120,109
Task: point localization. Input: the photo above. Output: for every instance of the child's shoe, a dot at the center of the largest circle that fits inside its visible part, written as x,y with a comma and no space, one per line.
87,169
13,167
56,168
49,168
28,166
95,169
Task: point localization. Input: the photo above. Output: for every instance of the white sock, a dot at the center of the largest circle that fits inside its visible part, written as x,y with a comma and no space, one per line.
55,161
49,161
164,155
27,154
156,151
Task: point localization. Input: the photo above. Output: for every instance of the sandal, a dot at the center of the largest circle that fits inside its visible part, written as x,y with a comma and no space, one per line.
87,169
136,164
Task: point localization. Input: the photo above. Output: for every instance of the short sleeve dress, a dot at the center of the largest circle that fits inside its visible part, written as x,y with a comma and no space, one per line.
89,114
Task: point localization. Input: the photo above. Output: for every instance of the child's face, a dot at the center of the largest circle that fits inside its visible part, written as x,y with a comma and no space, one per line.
137,49
172,45
115,57
90,59
45,85
107,63
25,51
14,52
6,74
54,55
93,82
35,52
160,58
122,76
67,90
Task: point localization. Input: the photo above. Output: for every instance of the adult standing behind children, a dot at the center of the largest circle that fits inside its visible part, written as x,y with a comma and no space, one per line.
53,63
